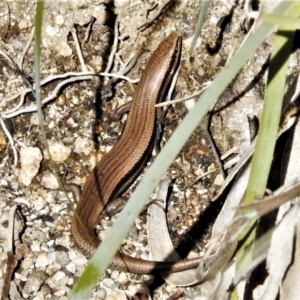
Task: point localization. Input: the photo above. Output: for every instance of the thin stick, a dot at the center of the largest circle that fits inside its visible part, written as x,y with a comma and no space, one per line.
78,49
88,30
114,47
165,103
54,94
11,141
20,62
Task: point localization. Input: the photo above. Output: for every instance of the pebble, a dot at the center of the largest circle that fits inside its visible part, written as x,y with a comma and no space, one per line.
52,269
35,246
63,49
219,180
59,20
62,257
136,288
13,292
72,123
43,260
39,296
31,158
79,260
83,145
27,263
23,24
45,289
100,294
52,31
38,203
60,277
111,284
34,282
71,267
59,152
49,181
116,296
118,3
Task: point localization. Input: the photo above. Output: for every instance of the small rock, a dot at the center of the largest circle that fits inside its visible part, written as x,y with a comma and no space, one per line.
118,3
63,48
38,203
34,282
39,296
121,278
45,289
52,31
59,20
27,263
52,269
60,277
219,180
42,260
72,123
108,282
62,257
62,100
100,294
31,158
83,145
49,181
58,282
13,291
59,152
116,296
136,288
23,24
71,267
80,260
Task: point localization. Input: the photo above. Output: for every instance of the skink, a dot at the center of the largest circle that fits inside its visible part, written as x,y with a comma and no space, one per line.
118,169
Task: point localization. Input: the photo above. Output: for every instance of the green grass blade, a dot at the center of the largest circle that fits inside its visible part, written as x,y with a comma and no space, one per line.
37,59
267,134
200,22
286,22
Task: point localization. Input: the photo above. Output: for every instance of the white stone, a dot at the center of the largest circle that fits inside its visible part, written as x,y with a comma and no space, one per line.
23,24
116,296
32,284
63,48
59,152
49,181
59,20
108,282
118,3
83,145
219,180
42,260
38,203
71,267
52,269
80,260
38,296
62,257
31,158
